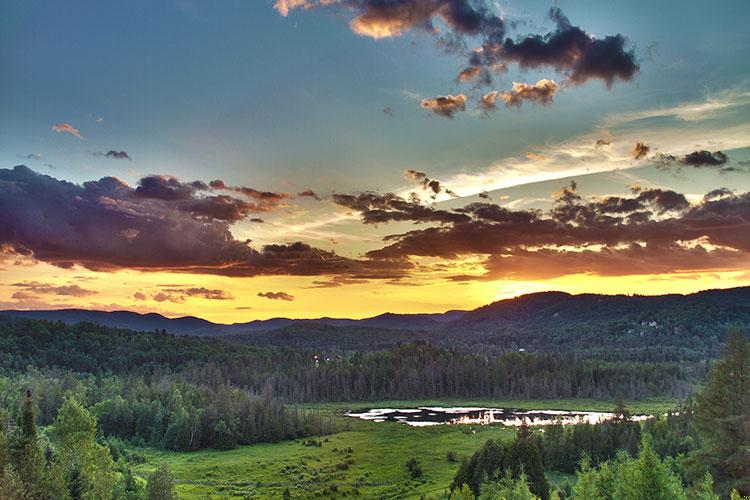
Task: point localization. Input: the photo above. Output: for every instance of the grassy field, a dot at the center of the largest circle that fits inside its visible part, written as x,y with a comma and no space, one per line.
363,458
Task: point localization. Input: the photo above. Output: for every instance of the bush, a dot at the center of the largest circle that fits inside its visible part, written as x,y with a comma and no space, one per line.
415,470
451,456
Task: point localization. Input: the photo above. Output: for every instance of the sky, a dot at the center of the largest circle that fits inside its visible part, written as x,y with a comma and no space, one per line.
250,159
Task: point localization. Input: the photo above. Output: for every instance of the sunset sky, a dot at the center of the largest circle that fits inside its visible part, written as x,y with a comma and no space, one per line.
249,159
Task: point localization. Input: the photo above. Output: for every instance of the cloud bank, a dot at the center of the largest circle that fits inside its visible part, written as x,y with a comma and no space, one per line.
163,224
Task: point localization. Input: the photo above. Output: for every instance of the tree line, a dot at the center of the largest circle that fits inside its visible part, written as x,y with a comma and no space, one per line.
700,451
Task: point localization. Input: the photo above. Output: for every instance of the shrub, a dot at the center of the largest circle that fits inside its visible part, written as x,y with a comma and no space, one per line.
415,470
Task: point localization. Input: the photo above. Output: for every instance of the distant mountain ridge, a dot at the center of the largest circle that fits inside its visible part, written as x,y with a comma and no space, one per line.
659,326
191,325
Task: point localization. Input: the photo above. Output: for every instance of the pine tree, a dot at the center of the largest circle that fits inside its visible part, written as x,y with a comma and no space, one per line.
721,417
161,484
651,479
4,451
27,421
525,459
462,493
25,451
76,486
11,484
705,489
508,488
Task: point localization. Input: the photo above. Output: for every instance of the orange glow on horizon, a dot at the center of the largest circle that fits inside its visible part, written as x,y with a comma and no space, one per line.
419,294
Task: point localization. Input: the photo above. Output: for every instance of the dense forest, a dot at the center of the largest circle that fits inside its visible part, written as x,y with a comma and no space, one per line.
117,388
697,451
415,370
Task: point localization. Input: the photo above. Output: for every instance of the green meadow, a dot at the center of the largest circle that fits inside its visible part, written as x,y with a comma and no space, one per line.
364,459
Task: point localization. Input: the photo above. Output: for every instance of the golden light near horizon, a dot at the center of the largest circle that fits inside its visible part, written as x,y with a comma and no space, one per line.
145,292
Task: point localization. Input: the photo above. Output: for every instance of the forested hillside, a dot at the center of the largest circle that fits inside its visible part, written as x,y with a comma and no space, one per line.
614,327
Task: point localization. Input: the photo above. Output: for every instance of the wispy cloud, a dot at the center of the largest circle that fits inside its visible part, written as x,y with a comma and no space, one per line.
713,106
68,129
608,149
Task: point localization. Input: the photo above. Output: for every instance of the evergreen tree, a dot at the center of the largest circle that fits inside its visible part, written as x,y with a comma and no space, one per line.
525,459
76,486
722,415
495,458
705,490
462,493
642,478
26,452
11,484
508,488
648,478
619,411
161,484
4,451
128,488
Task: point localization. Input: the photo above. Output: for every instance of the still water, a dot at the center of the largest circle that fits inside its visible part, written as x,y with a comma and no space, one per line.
438,415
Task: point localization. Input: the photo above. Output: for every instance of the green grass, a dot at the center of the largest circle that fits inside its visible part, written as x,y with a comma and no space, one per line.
364,458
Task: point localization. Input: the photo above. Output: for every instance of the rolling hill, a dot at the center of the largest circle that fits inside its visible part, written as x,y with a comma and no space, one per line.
643,327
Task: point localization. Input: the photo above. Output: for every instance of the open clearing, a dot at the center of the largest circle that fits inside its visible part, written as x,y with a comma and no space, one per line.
363,458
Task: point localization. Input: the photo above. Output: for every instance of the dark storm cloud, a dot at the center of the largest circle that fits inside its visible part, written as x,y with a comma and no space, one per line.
651,230
379,208
718,194
572,51
568,49
276,296
162,225
166,187
697,159
704,158
221,207
117,155
445,105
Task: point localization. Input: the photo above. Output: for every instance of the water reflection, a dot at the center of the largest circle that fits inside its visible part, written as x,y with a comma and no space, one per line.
438,415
